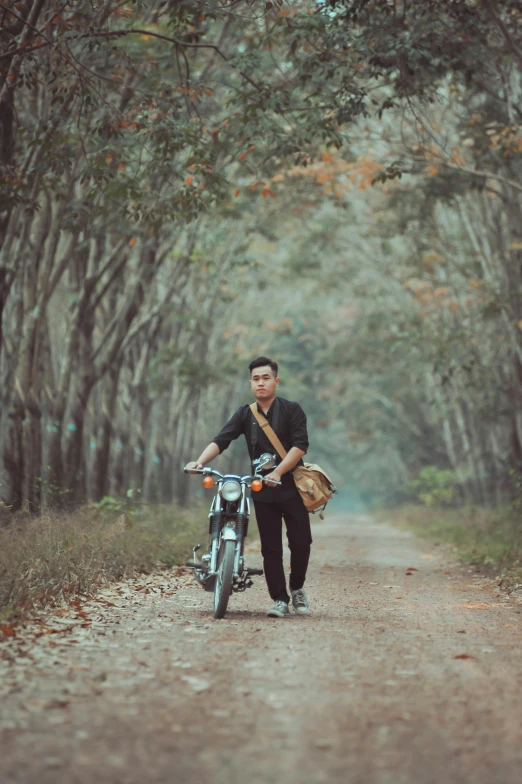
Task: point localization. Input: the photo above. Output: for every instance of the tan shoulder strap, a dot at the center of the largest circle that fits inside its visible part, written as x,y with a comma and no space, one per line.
269,432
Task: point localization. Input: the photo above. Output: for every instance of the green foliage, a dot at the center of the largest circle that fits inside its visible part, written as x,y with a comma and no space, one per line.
434,486
515,476
110,507
55,494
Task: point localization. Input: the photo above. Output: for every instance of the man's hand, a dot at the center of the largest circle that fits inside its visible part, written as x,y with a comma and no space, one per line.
193,465
274,476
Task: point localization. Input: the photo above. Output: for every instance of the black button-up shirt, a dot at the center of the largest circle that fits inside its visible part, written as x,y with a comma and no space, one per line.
290,426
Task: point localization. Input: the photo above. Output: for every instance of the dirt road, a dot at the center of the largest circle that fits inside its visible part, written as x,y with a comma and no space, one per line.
408,670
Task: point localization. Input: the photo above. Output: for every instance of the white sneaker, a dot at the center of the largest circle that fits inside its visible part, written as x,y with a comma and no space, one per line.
299,602
278,610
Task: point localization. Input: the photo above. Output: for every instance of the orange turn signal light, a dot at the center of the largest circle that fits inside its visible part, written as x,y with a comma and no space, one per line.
208,481
257,485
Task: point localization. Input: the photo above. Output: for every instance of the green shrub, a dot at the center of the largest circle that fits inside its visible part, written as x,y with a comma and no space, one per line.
434,486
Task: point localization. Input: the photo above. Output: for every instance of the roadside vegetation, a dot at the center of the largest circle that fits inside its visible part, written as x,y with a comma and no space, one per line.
483,536
56,557
490,539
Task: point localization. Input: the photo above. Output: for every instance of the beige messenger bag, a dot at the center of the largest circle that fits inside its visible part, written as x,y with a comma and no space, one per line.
314,486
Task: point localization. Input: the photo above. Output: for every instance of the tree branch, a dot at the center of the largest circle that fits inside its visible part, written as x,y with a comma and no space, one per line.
503,29
481,173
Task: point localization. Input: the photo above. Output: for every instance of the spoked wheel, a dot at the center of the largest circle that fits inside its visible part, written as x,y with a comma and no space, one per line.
225,573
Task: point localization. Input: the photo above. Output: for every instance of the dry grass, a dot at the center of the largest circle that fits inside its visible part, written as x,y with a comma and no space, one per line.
488,538
47,560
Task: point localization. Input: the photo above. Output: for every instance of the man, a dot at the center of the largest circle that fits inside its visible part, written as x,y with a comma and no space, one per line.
276,502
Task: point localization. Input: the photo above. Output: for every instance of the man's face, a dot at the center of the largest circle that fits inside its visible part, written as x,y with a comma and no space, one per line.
263,383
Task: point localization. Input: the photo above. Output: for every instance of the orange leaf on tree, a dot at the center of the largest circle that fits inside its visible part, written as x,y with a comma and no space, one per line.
132,241
242,156
237,192
189,180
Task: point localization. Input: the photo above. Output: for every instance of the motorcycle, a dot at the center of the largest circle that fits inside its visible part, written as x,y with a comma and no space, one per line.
222,569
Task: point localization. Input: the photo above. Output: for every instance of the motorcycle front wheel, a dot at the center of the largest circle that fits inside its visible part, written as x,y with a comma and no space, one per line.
225,573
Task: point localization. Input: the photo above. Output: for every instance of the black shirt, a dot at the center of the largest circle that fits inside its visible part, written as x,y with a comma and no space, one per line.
288,420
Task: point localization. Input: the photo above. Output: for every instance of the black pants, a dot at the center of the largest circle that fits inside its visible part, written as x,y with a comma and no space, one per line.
269,521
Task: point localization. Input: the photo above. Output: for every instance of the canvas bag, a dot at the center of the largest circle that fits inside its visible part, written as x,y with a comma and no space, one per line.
314,486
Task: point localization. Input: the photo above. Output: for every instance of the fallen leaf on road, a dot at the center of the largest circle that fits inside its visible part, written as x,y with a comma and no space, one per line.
464,656
7,631
57,704
31,705
461,631
323,743
412,569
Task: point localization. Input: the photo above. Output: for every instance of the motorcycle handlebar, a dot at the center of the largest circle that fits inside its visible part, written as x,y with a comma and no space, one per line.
213,472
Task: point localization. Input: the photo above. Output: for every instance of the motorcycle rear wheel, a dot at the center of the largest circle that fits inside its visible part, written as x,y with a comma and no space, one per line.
225,573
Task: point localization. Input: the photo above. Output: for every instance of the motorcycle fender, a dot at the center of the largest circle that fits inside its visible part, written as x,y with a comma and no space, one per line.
228,534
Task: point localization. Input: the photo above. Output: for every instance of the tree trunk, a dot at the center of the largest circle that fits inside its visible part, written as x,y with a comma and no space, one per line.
12,456
100,469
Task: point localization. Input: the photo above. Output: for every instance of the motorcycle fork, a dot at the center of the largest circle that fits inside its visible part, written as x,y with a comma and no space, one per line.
241,523
216,517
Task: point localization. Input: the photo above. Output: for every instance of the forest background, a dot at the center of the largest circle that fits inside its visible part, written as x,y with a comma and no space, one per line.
187,185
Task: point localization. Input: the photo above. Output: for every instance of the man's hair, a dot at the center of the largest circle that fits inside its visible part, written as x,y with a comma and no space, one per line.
262,362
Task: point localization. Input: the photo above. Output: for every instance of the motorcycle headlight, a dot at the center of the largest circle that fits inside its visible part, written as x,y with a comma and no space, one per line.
230,490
